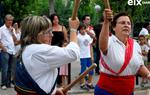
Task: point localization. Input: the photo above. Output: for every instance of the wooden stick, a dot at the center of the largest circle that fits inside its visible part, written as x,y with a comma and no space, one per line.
106,3
68,87
75,9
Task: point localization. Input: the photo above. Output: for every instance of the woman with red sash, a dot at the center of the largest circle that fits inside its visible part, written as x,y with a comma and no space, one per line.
121,57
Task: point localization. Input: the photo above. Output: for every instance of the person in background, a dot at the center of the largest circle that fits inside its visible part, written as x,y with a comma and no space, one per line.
59,39
18,35
84,41
97,29
145,29
17,43
59,31
86,20
36,73
64,72
7,39
121,57
145,49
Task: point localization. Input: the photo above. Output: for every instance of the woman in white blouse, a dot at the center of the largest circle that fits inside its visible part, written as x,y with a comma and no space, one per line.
39,60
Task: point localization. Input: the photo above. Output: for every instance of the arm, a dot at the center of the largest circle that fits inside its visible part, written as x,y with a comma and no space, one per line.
143,71
73,25
92,55
65,34
90,33
104,35
2,47
13,32
59,92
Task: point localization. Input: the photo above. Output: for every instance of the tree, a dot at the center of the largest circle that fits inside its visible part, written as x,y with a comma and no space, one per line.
51,6
18,8
23,8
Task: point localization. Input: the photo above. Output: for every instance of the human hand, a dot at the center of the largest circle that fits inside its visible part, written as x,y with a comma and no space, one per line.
11,29
59,92
108,15
74,24
2,47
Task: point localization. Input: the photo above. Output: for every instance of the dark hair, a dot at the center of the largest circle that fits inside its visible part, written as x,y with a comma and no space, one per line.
141,36
115,18
84,16
146,24
81,26
52,17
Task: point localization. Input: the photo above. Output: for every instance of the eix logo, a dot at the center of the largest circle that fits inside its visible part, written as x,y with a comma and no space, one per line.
134,2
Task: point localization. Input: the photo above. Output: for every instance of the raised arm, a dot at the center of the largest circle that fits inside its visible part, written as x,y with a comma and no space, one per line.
73,25
104,35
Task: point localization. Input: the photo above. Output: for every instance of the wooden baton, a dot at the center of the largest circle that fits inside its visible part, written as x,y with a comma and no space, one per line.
106,3
68,87
75,9
107,6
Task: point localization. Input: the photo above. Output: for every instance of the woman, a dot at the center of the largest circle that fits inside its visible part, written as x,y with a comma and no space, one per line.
59,31
60,38
37,72
121,57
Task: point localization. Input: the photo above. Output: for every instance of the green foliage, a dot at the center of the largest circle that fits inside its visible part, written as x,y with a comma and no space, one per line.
18,8
22,8
64,11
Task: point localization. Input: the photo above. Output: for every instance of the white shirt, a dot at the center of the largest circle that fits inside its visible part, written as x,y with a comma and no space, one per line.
42,61
144,32
115,57
7,39
84,42
145,48
17,47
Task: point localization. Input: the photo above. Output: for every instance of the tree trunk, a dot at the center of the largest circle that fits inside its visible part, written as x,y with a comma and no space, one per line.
51,7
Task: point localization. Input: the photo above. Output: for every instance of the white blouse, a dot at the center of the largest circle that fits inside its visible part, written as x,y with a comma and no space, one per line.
42,61
115,57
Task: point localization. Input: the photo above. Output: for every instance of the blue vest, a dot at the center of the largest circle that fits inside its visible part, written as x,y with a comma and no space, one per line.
24,84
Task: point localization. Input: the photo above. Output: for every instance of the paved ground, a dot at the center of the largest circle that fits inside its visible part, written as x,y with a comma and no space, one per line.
75,68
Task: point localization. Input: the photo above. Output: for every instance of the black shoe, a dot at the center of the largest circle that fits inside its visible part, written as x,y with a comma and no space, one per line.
90,86
84,87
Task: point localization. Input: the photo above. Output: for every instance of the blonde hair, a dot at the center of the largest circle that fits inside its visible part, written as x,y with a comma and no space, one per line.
31,26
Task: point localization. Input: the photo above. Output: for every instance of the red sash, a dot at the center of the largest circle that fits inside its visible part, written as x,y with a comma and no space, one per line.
118,85
128,55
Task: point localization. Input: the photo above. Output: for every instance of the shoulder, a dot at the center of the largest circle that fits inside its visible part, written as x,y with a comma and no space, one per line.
3,27
64,28
40,49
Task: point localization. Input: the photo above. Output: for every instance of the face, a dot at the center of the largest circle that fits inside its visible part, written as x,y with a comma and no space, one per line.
123,27
15,25
8,22
142,40
82,31
87,20
56,20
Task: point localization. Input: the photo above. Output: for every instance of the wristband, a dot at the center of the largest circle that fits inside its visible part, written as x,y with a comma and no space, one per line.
148,75
73,30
